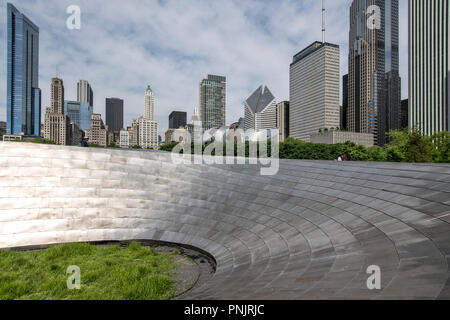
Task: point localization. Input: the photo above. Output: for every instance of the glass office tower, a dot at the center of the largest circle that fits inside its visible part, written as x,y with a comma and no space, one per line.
23,94
213,101
79,113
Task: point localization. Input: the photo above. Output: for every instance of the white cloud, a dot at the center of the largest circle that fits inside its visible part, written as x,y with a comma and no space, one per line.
123,46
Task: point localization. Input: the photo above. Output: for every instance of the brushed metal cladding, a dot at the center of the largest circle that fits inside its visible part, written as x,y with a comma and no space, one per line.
309,232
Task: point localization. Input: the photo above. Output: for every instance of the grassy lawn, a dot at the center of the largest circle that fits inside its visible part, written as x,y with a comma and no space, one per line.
107,273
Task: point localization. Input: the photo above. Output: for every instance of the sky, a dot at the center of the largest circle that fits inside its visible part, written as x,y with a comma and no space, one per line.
171,45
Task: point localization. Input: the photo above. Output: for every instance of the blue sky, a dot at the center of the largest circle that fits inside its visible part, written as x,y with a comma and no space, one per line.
171,45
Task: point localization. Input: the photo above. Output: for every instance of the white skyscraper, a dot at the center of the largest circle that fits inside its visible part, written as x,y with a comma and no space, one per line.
314,90
429,65
149,107
148,133
148,126
261,110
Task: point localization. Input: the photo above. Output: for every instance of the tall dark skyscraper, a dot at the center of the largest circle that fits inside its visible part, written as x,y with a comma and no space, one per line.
373,80
114,114
23,100
429,65
405,114
344,102
177,119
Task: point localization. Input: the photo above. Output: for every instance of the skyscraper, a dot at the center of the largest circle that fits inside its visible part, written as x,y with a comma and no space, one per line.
85,93
57,125
405,114
79,113
147,125
373,80
283,119
149,104
314,90
114,114
23,101
344,102
429,65
177,119
213,101
57,96
261,110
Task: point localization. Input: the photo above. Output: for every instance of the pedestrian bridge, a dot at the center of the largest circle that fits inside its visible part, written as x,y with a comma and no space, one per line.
309,232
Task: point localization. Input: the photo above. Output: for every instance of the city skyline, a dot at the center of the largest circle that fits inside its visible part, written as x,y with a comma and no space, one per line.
173,67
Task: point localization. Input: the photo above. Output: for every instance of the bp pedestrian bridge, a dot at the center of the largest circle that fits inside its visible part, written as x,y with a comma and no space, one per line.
309,232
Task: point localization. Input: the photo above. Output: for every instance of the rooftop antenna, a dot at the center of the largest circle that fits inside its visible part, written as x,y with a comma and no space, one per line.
323,21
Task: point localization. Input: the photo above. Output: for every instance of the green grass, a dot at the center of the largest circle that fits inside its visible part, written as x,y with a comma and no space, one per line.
107,273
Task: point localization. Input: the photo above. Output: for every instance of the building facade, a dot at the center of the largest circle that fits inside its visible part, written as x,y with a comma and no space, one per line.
57,124
335,137
79,113
212,99
23,98
76,134
85,93
283,119
57,128
261,110
314,90
114,114
124,139
168,136
177,119
98,133
373,79
429,65
134,133
148,133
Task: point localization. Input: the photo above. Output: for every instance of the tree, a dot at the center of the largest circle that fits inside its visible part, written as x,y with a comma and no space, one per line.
395,150
376,154
441,147
419,148
42,141
168,146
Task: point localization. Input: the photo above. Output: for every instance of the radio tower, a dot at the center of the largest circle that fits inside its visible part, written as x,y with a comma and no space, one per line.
323,21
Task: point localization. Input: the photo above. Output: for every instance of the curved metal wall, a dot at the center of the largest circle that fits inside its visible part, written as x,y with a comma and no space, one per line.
310,232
